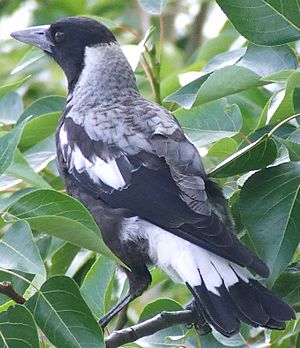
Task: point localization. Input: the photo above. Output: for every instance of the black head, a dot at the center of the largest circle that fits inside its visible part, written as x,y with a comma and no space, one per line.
66,39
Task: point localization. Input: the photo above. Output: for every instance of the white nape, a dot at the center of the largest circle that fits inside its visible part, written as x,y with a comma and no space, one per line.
97,169
181,260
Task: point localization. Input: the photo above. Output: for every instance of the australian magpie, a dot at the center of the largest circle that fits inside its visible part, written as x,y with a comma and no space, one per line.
128,161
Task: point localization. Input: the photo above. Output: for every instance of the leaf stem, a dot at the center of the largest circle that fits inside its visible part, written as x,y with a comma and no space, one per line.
273,130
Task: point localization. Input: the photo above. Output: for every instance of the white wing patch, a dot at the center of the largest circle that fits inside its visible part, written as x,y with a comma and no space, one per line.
182,260
97,169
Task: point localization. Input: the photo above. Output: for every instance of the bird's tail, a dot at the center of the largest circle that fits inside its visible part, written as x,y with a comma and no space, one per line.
244,301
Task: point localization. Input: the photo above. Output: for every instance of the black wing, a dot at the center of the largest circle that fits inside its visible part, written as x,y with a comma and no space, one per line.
167,187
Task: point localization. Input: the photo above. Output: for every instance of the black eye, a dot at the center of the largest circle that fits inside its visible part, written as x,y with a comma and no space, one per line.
59,36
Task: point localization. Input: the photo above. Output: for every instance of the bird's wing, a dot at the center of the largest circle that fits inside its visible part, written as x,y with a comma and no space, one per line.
166,186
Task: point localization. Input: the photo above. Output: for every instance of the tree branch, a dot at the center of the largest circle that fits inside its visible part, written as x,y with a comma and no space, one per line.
196,36
7,289
149,327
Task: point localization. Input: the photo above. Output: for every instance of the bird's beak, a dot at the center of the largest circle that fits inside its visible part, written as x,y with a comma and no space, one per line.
37,36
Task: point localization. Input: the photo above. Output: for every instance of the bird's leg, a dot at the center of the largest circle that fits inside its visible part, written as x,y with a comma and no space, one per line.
201,325
139,280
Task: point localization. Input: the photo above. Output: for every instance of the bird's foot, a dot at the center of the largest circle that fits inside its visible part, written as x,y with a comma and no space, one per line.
201,324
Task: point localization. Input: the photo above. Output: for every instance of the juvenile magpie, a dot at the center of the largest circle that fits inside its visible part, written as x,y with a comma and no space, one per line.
128,161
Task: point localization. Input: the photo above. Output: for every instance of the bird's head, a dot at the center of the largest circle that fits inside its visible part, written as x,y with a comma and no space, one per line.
66,41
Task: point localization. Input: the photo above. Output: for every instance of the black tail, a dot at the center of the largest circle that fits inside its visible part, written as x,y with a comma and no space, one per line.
247,302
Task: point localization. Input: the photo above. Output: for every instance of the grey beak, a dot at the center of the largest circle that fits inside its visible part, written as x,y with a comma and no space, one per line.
36,36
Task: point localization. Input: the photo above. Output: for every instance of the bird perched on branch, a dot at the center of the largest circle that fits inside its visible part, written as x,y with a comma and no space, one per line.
128,161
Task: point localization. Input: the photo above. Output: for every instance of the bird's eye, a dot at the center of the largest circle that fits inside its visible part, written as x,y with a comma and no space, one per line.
59,36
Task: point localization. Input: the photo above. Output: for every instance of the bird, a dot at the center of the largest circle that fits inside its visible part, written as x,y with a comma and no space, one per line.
128,161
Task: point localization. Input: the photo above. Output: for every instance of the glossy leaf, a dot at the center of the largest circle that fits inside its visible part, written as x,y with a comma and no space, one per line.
18,284
33,55
19,252
11,86
256,63
8,145
38,158
292,147
172,336
282,103
264,22
210,122
223,148
155,307
63,316
17,329
223,82
254,156
61,216
272,216
21,169
38,129
224,59
42,106
266,61
96,283
288,285
62,258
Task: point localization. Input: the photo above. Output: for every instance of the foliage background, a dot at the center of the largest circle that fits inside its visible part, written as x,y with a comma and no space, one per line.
239,105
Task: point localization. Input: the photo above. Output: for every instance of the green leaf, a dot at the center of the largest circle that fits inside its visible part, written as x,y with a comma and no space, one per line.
63,316
256,63
19,252
224,59
292,147
257,155
223,148
288,285
282,103
96,284
210,122
11,107
18,284
33,55
17,329
266,61
38,129
11,87
269,207
8,145
22,170
61,216
187,94
154,7
264,22
223,82
210,341
42,106
165,337
157,306
62,258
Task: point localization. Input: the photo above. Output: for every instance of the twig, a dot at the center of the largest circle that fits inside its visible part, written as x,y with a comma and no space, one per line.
161,38
196,34
7,289
149,327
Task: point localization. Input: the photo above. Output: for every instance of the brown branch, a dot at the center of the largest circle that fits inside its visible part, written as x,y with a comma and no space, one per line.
7,289
149,327
196,36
